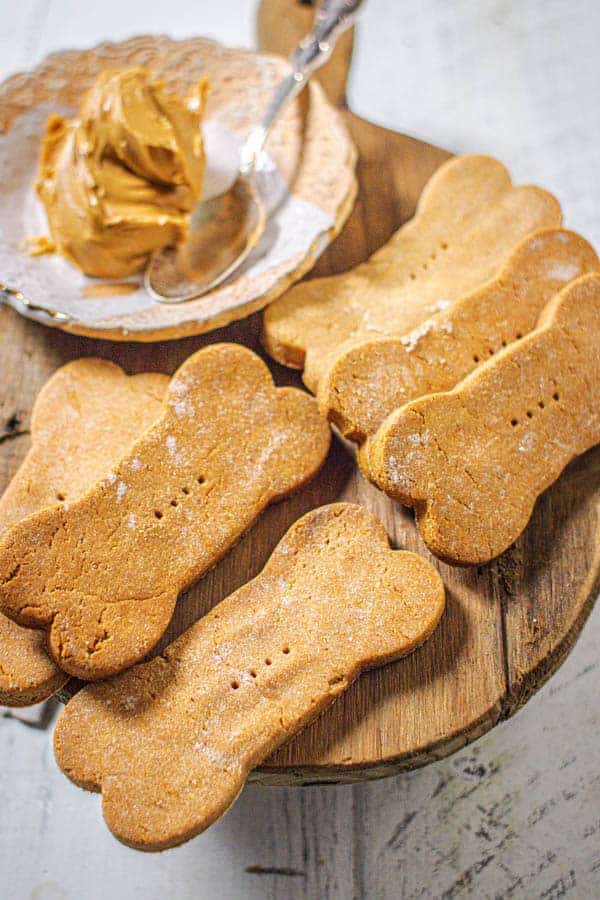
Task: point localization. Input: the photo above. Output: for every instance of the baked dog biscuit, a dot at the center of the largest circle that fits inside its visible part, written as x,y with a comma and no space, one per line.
468,220
171,742
473,461
102,577
370,380
83,420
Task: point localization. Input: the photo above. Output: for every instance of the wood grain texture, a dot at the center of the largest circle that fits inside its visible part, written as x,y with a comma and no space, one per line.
279,27
507,626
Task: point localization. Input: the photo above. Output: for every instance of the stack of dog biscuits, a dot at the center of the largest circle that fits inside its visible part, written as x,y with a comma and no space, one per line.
475,318
171,742
101,574
461,359
469,218
118,507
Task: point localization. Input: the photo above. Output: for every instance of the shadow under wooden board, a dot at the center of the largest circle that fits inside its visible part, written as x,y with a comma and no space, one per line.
508,625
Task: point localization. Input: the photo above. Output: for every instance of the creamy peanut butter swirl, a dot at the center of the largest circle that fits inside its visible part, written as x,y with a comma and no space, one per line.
119,181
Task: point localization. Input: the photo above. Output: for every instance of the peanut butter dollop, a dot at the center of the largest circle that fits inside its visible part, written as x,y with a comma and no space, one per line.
119,181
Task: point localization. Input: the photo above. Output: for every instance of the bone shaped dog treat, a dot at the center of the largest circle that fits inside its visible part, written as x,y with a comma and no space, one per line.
171,742
468,220
372,379
103,575
83,420
473,461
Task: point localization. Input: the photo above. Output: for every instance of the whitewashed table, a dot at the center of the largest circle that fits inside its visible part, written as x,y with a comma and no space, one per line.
515,815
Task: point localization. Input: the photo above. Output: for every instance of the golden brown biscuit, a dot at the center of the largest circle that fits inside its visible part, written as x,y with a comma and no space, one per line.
103,575
473,461
371,379
84,419
171,742
469,218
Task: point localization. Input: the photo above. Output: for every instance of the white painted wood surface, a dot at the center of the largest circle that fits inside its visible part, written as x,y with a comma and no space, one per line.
516,815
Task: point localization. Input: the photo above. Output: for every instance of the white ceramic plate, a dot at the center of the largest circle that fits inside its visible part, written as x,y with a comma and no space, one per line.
310,186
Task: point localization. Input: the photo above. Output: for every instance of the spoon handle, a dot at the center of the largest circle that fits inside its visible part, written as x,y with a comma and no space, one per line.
332,18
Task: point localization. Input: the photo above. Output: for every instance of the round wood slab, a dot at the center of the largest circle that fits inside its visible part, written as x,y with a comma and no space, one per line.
508,625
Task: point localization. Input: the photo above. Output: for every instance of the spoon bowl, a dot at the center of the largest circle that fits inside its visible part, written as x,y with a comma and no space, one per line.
223,232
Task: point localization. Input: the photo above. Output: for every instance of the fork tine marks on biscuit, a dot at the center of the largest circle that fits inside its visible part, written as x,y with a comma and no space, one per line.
171,742
468,220
75,440
372,379
102,577
473,461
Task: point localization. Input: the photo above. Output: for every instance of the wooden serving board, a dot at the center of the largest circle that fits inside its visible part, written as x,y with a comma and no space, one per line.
508,625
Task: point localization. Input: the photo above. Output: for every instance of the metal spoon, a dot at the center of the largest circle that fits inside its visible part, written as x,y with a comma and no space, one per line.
225,229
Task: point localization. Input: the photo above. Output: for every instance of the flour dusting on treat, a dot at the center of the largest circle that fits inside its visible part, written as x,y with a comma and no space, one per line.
75,439
501,437
368,381
171,742
104,590
469,218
